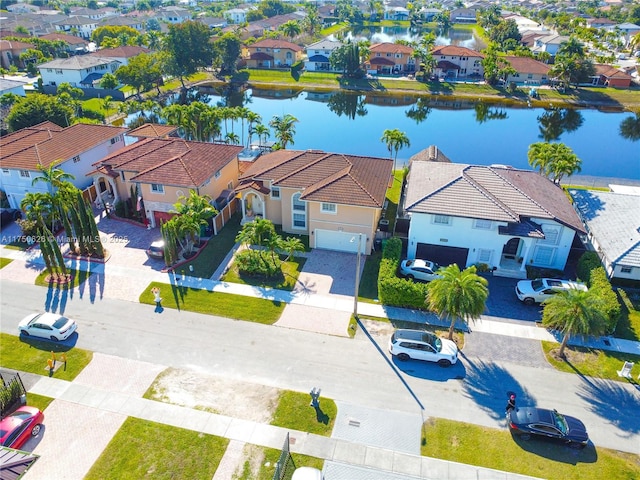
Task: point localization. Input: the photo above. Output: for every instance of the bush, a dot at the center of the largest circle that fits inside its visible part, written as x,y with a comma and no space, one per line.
394,291
29,227
599,283
258,262
588,261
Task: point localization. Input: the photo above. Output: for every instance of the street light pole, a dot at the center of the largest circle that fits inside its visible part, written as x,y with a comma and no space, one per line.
355,297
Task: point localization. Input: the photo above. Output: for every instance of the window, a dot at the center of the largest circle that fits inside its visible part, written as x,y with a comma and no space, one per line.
544,256
58,71
25,174
551,234
484,255
626,269
157,188
122,176
115,139
299,208
275,192
442,219
328,208
6,171
217,174
76,159
230,186
483,224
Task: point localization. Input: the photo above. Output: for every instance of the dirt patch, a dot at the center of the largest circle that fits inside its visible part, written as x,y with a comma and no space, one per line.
248,401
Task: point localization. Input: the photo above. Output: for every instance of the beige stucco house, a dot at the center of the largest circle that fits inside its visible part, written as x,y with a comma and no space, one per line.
334,198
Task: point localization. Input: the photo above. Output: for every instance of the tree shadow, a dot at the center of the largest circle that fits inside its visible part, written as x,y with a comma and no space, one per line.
556,452
489,386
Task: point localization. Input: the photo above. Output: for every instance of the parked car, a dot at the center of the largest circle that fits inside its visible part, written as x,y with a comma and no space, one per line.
540,289
419,269
17,427
156,250
223,199
47,325
543,424
9,215
420,345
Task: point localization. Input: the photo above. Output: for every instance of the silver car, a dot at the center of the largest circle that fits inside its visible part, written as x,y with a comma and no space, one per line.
540,289
419,269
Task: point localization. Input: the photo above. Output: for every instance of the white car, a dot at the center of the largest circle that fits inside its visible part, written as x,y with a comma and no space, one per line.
47,325
540,289
419,269
421,345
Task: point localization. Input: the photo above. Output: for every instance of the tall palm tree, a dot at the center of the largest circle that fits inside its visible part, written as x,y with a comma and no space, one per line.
291,28
292,245
630,127
284,129
574,311
52,175
252,117
395,140
457,295
263,133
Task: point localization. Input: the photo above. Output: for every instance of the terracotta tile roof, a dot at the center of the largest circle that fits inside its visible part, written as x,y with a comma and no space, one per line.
387,47
494,193
172,161
610,72
430,154
155,130
527,65
47,143
14,45
124,51
70,39
325,177
455,51
275,43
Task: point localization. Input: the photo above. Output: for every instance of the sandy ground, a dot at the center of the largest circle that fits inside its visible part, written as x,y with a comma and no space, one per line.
216,395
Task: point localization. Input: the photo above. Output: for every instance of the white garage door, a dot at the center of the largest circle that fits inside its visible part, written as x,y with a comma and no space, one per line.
340,241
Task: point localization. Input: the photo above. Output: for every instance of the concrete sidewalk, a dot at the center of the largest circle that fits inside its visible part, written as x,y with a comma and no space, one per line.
101,400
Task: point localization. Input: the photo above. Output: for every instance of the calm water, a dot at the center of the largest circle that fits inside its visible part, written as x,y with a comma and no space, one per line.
452,36
466,132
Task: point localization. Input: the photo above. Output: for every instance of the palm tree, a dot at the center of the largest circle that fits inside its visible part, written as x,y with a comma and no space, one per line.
630,127
554,160
232,139
395,140
291,28
457,295
263,133
254,233
53,176
292,245
284,129
574,311
252,117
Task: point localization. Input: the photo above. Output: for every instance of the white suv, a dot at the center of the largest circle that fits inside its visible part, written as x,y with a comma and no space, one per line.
540,289
421,345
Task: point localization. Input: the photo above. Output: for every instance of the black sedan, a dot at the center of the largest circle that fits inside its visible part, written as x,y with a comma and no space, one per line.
531,422
8,215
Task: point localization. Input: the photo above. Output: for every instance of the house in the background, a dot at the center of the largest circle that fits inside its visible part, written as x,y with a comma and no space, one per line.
318,55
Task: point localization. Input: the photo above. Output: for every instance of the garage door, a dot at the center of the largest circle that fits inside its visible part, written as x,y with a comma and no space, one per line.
443,255
340,241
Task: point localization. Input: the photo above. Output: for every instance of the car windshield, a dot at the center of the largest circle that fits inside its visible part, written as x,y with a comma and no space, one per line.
536,284
560,422
432,340
61,322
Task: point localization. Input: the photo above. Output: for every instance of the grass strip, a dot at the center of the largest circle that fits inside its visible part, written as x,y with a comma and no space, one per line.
5,261
285,281
294,412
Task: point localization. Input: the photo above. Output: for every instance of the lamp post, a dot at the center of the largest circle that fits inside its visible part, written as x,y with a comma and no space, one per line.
355,297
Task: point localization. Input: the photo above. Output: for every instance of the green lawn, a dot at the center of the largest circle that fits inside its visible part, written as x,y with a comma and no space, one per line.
237,307
493,448
32,356
294,412
216,250
38,401
97,105
629,324
368,290
143,449
285,281
5,261
268,459
590,362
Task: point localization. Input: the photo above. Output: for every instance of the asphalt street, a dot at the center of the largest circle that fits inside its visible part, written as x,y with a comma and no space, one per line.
356,371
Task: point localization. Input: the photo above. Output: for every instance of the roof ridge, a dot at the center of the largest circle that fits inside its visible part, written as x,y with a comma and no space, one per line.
488,194
523,193
302,167
329,180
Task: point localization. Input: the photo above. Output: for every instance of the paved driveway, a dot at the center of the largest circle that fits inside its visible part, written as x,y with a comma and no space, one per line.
503,303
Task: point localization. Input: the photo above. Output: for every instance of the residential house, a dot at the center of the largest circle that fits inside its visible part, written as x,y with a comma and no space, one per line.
272,53
611,220
22,8
213,22
318,55
462,15
153,130
457,62
627,31
258,28
15,87
336,199
134,21
236,15
429,14
391,58
524,24
161,170
600,23
495,215
610,76
121,54
529,71
548,43
94,14
80,71
73,149
76,44
398,14
79,26
10,51
173,14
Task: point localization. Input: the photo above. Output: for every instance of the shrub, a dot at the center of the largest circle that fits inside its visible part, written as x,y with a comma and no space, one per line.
588,261
599,282
258,262
398,292
29,227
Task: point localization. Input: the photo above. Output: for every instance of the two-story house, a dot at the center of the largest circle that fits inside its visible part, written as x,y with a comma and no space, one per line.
318,55
391,58
79,26
79,71
236,15
529,71
121,54
75,44
10,51
161,170
272,53
73,149
454,62
173,14
548,43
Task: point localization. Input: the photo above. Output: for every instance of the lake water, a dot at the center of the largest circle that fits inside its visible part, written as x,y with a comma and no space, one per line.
453,36
466,132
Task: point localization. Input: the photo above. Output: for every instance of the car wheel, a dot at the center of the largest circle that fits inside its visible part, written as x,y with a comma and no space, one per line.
404,357
24,332
444,362
529,301
54,338
410,277
36,430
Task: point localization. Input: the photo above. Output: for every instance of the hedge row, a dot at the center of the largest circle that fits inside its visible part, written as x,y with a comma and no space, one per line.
591,272
395,291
